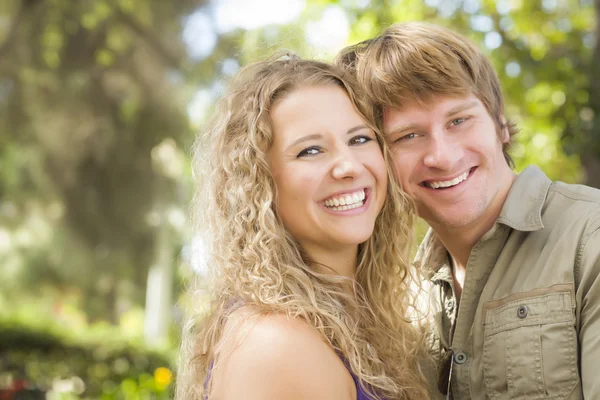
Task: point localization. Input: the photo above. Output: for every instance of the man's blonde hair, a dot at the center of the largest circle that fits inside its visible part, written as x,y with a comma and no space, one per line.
415,61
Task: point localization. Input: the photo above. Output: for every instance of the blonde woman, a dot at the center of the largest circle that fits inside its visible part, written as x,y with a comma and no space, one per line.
309,258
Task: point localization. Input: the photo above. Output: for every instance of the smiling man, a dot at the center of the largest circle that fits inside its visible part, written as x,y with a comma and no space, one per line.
512,261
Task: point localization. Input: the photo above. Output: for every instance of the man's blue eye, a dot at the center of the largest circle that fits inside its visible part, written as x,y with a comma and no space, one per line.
407,137
458,121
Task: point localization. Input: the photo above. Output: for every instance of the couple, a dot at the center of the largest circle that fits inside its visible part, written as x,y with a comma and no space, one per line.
312,176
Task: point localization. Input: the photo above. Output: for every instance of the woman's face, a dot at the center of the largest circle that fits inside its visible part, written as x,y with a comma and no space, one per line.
328,167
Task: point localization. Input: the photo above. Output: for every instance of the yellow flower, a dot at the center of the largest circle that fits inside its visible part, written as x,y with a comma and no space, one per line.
163,376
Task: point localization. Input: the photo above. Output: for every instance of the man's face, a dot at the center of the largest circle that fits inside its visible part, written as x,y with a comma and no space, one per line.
448,157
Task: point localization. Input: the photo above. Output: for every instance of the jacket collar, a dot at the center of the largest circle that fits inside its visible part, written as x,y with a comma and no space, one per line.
522,211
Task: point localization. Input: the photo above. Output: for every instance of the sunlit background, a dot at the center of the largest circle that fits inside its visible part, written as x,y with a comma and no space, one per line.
100,101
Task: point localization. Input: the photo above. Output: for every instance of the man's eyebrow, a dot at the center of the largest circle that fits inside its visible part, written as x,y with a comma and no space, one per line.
452,111
461,107
402,128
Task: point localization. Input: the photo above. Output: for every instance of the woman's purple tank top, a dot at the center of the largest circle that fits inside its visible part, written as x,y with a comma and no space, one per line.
360,393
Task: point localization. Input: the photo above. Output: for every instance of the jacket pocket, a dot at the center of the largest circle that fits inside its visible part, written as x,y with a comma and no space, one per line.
530,345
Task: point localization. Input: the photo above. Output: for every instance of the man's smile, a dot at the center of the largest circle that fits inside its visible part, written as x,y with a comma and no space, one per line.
448,182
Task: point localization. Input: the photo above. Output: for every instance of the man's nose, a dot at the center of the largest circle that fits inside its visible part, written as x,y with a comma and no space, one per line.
443,152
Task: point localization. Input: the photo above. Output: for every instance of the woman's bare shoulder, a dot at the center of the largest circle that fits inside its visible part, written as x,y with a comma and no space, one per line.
275,356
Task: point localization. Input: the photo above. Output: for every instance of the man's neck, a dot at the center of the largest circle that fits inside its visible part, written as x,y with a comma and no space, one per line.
459,242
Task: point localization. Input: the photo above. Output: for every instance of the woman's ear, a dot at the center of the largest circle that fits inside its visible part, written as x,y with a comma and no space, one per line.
504,133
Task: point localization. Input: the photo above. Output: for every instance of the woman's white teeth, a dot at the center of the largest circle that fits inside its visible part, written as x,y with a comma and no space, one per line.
346,202
445,184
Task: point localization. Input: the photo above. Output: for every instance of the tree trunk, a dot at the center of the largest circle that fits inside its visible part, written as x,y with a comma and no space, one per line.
159,291
591,155
159,296
592,172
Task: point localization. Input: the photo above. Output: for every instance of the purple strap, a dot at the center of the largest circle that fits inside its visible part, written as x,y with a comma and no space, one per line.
360,393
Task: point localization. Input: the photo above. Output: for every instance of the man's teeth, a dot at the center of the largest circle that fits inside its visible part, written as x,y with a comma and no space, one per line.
445,184
346,202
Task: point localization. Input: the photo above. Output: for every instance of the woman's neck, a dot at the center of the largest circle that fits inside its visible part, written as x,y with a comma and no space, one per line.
341,262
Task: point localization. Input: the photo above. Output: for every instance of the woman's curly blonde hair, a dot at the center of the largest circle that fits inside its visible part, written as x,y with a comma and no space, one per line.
255,262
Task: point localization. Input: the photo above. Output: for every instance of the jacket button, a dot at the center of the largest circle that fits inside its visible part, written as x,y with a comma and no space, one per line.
450,305
522,311
460,358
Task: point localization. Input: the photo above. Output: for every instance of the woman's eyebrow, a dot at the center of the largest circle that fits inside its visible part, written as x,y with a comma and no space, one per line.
301,139
357,128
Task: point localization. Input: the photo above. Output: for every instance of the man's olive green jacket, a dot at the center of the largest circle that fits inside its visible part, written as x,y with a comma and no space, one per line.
527,325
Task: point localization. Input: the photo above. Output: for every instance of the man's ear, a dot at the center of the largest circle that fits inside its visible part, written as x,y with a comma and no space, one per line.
504,133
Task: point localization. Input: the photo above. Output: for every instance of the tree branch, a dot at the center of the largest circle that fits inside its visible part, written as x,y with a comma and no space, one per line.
149,38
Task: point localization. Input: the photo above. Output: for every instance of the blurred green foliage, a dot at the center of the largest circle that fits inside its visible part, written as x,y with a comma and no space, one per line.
53,360
93,139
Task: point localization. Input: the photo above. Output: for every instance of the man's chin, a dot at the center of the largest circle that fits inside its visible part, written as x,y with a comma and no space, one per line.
449,222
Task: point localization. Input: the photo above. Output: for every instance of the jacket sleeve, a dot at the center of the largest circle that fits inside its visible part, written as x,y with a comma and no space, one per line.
588,296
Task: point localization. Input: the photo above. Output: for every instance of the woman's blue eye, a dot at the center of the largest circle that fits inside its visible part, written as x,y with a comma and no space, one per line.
309,151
